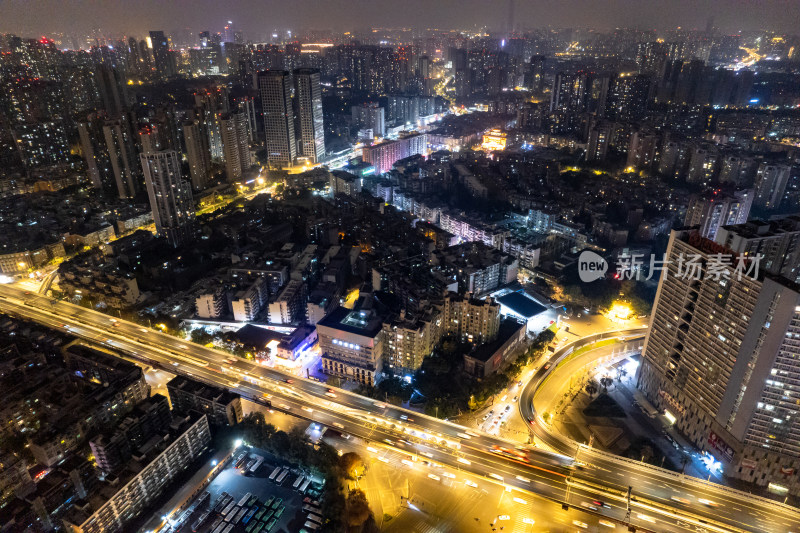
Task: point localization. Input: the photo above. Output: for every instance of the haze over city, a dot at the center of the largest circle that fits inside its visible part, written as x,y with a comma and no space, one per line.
258,17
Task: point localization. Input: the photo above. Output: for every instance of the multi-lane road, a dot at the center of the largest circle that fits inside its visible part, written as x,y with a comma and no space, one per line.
659,502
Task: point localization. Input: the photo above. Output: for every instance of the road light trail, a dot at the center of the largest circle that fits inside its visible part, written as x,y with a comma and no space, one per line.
376,422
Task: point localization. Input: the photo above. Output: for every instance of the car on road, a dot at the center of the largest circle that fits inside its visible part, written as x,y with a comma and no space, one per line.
582,525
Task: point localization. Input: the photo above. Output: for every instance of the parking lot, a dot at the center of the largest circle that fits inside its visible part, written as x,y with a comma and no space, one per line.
255,493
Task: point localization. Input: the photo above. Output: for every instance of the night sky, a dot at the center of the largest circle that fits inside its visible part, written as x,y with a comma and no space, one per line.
256,18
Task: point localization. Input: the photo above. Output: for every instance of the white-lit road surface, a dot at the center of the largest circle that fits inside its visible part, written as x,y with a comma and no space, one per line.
652,486
552,476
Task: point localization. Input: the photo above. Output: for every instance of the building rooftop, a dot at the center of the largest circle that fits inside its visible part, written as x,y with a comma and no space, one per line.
259,337
521,304
202,390
359,322
508,329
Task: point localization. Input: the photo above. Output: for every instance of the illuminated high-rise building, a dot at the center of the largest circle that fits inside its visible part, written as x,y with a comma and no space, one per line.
308,100
95,152
703,164
228,33
627,98
534,78
121,147
247,106
149,139
717,209
721,357
370,116
650,56
275,88
209,105
777,240
599,141
570,93
112,89
162,59
197,153
42,143
170,196
235,144
771,180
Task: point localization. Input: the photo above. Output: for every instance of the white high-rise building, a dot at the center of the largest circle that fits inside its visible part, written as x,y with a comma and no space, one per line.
170,195
777,240
718,209
721,356
308,100
369,116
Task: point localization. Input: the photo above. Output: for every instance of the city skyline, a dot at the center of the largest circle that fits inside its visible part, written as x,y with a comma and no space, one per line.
260,19
538,272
